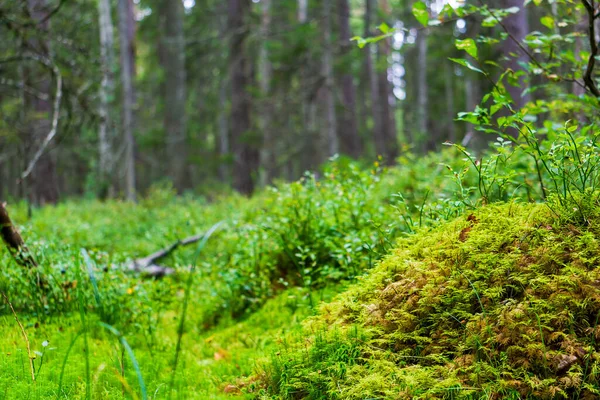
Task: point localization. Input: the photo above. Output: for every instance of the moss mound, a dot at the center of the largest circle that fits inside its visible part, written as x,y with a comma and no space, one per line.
503,303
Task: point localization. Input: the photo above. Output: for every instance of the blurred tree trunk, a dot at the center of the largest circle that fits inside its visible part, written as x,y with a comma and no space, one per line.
518,27
378,134
348,132
388,116
312,153
450,107
268,158
246,156
105,131
329,96
44,186
422,91
175,92
127,44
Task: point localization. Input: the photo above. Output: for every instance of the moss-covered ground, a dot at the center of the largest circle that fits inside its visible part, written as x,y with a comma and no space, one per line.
361,284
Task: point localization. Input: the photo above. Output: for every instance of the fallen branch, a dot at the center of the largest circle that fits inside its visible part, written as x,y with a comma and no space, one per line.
13,240
148,266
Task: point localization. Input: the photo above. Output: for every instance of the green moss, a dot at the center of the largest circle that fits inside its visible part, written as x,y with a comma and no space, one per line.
503,303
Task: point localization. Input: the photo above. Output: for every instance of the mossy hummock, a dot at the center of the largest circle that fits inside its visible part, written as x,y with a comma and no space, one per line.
502,303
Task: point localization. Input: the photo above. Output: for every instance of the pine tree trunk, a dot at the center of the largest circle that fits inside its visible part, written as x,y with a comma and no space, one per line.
388,116
105,132
246,156
44,186
268,158
126,38
518,27
378,133
331,120
348,132
175,92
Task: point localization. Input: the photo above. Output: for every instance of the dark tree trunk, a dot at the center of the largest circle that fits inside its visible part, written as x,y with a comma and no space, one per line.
127,42
175,93
348,132
378,133
43,183
245,152
518,27
388,116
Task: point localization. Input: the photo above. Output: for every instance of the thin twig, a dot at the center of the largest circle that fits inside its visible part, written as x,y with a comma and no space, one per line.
24,335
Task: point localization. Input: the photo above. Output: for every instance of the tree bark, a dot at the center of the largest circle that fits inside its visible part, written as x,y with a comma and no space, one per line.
388,116
518,27
331,119
422,86
44,186
348,132
378,133
126,38
246,156
268,159
105,131
450,108
175,92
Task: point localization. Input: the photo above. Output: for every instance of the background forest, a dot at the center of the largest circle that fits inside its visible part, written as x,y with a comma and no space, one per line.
106,98
252,199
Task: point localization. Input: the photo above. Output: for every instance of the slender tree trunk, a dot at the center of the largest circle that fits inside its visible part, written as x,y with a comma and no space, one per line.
224,170
126,38
450,108
422,87
518,27
246,155
331,121
378,133
268,159
105,132
422,92
348,132
43,178
175,93
388,116
312,153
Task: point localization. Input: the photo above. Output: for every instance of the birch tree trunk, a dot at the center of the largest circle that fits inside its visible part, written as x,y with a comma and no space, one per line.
175,92
348,132
105,131
126,39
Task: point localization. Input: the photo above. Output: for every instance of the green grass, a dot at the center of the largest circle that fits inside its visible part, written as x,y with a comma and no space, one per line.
269,265
364,283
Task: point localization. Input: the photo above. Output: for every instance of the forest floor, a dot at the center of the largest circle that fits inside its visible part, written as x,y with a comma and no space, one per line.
365,283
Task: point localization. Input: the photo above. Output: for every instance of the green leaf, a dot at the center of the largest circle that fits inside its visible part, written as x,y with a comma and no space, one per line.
361,42
467,45
547,21
467,64
384,28
571,126
421,13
